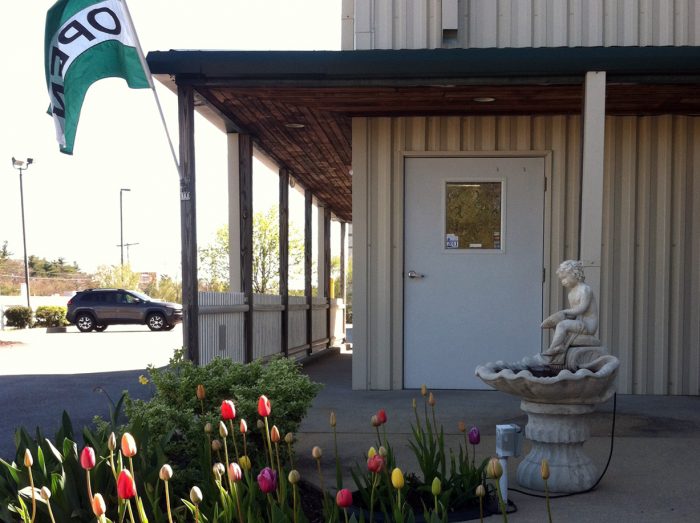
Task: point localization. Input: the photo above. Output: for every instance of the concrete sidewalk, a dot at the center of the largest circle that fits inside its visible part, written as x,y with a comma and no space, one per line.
652,475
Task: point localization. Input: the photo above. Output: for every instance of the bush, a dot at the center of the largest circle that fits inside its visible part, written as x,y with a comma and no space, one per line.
19,316
174,418
50,316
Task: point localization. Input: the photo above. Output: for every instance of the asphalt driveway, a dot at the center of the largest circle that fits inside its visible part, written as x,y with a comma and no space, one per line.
42,374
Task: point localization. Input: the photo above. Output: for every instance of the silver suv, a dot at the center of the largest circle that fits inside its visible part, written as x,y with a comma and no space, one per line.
94,309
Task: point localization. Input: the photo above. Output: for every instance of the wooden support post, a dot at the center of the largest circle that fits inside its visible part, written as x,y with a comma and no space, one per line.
343,293
327,269
234,214
284,257
245,169
188,224
308,201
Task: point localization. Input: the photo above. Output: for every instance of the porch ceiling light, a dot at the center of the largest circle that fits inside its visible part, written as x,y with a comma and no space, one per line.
293,125
484,99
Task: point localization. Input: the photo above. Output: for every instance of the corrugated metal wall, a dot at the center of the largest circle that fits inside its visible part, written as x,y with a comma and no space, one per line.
651,252
378,214
650,298
415,24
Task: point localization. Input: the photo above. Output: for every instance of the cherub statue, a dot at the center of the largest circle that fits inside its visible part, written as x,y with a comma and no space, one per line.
577,325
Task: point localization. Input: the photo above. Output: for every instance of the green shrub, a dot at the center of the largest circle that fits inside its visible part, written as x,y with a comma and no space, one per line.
19,316
50,316
174,419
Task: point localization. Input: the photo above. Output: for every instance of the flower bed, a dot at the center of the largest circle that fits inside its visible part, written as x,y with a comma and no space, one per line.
243,473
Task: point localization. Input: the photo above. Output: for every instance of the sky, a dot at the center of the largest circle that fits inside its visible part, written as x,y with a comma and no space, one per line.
72,202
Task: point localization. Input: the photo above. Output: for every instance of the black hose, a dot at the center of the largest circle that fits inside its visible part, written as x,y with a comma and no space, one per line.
612,443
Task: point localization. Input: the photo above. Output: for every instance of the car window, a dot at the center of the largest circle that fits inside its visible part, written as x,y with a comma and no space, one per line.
129,298
87,298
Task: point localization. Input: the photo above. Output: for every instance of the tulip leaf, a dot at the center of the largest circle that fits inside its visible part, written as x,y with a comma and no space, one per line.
54,450
12,469
40,460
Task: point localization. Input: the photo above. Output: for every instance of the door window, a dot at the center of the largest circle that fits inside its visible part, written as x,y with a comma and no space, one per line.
473,215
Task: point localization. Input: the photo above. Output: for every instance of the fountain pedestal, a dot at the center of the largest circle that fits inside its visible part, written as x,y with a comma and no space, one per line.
557,432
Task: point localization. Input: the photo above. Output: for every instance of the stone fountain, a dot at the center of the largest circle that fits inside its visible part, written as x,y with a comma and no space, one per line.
559,388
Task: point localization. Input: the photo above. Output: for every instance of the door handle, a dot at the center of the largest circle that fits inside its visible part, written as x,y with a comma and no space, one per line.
415,275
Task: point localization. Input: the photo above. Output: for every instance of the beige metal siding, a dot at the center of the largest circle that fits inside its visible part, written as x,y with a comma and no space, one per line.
416,24
378,211
398,24
650,288
651,255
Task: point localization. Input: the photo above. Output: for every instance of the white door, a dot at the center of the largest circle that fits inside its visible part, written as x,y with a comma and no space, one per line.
472,266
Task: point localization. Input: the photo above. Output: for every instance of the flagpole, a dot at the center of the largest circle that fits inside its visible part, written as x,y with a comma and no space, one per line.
149,76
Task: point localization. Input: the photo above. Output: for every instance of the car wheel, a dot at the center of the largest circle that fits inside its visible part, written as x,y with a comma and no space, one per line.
85,322
169,327
100,328
156,322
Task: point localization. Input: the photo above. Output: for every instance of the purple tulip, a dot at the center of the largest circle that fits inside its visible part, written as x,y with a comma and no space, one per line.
474,436
267,480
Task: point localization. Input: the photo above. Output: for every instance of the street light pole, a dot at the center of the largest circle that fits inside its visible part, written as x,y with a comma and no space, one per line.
121,224
23,166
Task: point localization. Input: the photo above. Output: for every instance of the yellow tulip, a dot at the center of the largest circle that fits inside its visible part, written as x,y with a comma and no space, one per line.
397,479
544,469
371,452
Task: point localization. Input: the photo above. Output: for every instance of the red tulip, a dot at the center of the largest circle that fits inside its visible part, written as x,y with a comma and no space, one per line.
228,410
264,406
381,416
87,458
128,445
267,480
275,434
126,487
343,498
375,464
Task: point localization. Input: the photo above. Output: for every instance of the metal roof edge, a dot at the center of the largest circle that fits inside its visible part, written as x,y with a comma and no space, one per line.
427,64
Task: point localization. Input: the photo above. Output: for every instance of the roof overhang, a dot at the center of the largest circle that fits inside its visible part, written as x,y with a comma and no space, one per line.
269,94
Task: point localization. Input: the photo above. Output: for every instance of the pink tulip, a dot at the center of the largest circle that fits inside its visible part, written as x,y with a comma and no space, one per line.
228,410
375,464
243,426
381,416
234,472
267,480
87,458
343,498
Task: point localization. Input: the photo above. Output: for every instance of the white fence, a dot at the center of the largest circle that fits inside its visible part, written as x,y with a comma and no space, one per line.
222,325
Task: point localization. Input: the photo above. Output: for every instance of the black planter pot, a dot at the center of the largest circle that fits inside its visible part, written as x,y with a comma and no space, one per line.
464,514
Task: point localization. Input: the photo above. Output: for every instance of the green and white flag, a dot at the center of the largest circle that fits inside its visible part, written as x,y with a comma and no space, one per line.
85,41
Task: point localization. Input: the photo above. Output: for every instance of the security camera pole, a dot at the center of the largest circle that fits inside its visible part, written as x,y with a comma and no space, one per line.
23,166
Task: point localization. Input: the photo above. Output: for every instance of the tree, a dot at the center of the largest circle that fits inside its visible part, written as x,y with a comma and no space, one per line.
5,252
214,258
214,265
165,289
117,277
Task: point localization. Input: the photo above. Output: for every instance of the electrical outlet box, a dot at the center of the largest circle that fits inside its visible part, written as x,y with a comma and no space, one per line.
508,440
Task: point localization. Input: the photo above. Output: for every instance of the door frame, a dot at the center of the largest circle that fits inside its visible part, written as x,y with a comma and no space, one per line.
399,281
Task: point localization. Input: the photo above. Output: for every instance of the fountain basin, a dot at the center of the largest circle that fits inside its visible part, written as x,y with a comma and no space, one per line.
558,407
591,382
